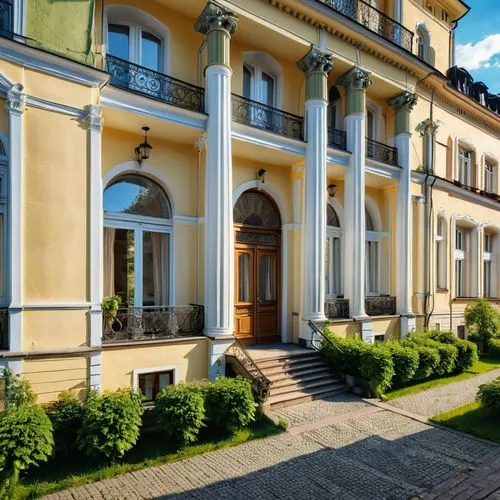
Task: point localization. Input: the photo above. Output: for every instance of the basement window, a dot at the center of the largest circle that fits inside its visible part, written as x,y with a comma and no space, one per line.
150,381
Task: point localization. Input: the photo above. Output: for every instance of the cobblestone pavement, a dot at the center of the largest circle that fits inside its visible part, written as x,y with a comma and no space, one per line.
362,452
444,398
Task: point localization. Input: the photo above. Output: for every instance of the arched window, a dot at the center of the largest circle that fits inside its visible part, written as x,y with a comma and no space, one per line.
135,36
137,241
423,41
466,257
333,273
441,253
254,208
372,238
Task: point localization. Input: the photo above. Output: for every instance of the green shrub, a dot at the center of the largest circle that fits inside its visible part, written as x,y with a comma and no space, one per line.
344,355
443,336
494,347
482,319
25,440
377,368
17,390
489,397
448,354
467,355
66,415
111,423
180,411
405,361
229,403
428,359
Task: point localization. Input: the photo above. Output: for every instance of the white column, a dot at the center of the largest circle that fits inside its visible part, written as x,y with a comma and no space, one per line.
16,105
219,248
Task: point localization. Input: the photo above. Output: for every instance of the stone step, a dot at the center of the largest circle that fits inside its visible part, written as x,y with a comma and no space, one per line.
298,372
297,397
301,367
325,383
304,379
288,360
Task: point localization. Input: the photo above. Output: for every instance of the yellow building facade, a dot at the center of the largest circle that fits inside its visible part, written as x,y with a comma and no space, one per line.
234,169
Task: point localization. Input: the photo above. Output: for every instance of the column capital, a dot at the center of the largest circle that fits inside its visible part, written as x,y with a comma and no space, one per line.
428,127
316,61
16,99
405,101
216,17
355,79
93,119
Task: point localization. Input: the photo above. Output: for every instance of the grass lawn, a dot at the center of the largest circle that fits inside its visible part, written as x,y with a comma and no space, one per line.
152,449
471,419
485,364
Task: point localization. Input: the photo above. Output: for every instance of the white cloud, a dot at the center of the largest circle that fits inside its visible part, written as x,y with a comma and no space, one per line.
477,55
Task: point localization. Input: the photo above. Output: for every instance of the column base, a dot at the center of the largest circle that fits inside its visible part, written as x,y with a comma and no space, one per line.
366,332
305,332
408,324
216,359
95,370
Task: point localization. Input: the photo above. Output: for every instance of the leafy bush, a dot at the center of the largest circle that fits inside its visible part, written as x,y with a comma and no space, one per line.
405,361
443,336
25,440
482,319
428,359
448,354
489,397
344,355
229,403
111,423
17,390
494,347
180,410
66,415
377,368
467,355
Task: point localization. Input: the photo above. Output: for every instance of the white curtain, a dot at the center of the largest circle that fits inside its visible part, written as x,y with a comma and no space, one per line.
159,244
244,278
109,261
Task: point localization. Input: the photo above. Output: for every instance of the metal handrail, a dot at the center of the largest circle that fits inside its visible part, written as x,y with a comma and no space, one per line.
381,152
316,330
261,385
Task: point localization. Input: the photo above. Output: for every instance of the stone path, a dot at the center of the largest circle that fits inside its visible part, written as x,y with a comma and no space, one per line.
444,398
342,448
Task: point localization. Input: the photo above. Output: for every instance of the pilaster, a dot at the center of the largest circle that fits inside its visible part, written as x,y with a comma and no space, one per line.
355,82
218,23
316,64
403,104
15,105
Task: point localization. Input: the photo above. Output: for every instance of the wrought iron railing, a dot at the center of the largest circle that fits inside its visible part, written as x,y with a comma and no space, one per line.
318,337
373,19
4,330
381,152
261,385
260,115
337,138
144,81
151,323
337,308
6,18
380,305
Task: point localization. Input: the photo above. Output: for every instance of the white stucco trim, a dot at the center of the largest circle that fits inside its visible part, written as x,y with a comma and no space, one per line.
20,17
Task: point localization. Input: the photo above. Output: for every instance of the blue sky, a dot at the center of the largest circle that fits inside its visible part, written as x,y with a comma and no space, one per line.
478,42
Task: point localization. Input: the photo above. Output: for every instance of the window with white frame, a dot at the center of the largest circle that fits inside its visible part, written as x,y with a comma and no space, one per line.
489,276
489,177
150,381
423,41
460,255
372,256
464,166
137,242
261,75
441,251
333,265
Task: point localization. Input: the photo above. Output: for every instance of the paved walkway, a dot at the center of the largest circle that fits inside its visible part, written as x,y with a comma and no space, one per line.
342,448
444,398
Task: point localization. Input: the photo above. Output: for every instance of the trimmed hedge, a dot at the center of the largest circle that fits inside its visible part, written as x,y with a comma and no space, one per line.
494,347
405,360
377,367
489,397
467,352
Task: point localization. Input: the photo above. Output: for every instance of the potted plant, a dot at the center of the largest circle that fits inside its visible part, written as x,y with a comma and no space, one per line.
110,307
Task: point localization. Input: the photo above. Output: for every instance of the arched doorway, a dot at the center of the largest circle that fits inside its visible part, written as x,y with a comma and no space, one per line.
257,268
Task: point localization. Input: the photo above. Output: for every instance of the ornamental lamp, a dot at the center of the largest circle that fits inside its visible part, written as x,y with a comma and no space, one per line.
332,189
142,151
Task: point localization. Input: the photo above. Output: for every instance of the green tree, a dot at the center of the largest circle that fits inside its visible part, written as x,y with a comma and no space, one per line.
483,320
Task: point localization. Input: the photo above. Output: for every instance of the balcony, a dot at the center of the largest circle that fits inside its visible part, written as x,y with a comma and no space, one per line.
337,139
266,117
382,305
149,83
4,330
374,20
337,308
381,152
154,323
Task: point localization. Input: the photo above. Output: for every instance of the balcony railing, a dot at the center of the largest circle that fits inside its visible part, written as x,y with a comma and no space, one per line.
4,330
154,323
260,115
144,81
337,139
6,18
380,306
381,152
337,308
376,21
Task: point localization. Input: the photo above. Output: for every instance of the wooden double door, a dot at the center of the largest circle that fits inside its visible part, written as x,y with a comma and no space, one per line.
257,286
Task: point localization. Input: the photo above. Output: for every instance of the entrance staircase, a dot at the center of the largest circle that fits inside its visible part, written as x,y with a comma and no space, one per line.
297,375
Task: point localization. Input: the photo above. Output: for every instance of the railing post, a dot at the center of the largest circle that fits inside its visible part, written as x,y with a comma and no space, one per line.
218,23
316,64
403,104
355,82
